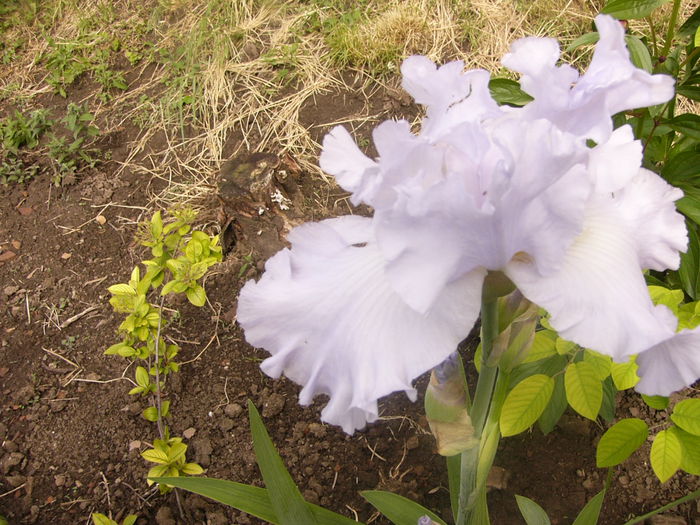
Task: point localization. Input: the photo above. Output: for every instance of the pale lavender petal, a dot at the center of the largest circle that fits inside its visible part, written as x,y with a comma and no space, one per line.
670,365
657,229
583,105
341,158
535,59
615,162
598,298
457,210
327,314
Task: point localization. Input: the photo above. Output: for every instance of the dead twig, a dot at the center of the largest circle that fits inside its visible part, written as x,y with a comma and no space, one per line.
71,320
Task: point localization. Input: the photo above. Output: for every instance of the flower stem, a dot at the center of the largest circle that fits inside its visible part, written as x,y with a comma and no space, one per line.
671,28
472,502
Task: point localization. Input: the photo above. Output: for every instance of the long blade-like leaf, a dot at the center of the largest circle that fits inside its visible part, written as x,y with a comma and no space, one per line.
253,500
399,510
287,502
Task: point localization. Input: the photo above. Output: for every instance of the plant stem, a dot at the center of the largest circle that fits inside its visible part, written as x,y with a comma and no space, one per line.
671,28
157,359
471,502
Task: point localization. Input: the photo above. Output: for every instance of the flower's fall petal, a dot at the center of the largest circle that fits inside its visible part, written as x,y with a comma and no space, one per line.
341,158
659,231
598,298
670,365
332,323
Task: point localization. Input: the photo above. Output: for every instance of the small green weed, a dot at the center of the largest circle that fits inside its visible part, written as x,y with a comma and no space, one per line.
13,170
70,156
24,131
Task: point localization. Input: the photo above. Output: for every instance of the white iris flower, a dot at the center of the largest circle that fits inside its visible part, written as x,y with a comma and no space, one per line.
359,307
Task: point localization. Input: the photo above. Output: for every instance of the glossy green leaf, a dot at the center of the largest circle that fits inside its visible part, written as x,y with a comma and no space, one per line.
609,403
584,390
620,441
591,512
682,167
531,511
506,91
628,9
639,54
399,510
151,414
525,404
555,408
691,92
666,454
690,457
691,25
687,124
686,414
155,456
689,272
287,501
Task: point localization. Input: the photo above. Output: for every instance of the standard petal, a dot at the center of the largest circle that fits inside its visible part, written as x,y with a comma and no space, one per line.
598,298
658,230
670,365
330,319
615,162
341,158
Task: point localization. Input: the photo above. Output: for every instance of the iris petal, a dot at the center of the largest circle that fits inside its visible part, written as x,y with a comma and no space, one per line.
670,365
598,298
332,323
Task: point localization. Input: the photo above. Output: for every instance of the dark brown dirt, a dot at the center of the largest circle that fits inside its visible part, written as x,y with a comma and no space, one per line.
71,435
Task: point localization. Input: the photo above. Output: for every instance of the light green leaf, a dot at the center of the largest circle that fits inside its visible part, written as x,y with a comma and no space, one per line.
196,295
627,9
690,457
666,454
525,403
142,378
584,40
624,375
155,456
563,346
686,415
531,511
656,402
601,363
584,391
130,519
151,414
287,502
620,441
591,512
192,469
121,289
542,346
177,451
399,510
253,500
100,519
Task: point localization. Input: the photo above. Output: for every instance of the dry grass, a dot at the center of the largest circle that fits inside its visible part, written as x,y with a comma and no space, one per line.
220,78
